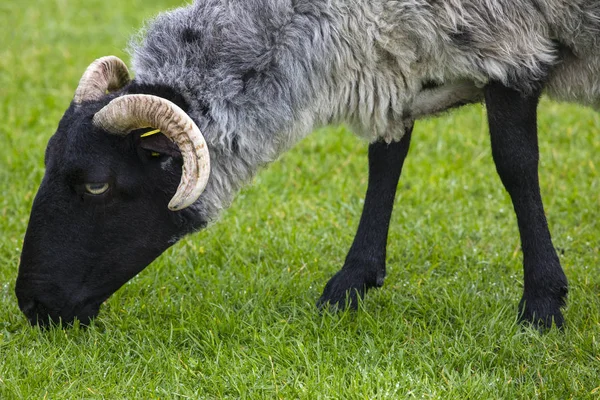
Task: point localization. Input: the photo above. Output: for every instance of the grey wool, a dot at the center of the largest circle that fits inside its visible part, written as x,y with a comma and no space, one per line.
260,75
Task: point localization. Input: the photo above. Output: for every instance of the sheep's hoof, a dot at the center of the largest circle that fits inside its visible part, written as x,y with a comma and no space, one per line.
346,287
543,312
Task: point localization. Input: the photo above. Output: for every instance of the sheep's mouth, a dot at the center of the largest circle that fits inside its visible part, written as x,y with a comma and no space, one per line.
38,314
41,313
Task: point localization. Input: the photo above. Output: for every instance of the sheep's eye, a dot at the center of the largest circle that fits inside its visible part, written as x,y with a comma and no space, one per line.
96,188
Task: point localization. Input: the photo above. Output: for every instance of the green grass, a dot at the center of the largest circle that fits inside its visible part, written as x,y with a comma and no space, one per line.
229,312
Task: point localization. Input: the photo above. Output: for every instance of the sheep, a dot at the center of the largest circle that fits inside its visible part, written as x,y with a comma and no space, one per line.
232,84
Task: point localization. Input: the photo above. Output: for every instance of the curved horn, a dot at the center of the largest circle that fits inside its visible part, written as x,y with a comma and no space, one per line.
106,73
130,112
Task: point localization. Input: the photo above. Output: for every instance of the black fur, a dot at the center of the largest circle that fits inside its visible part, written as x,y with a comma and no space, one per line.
191,36
426,85
166,92
118,232
462,37
364,267
513,130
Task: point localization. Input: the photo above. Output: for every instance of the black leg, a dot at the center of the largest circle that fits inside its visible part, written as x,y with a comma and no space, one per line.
513,129
364,267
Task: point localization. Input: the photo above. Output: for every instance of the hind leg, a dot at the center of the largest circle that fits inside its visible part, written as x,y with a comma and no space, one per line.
513,130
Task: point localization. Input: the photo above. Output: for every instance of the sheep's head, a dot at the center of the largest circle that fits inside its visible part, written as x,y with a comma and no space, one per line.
112,199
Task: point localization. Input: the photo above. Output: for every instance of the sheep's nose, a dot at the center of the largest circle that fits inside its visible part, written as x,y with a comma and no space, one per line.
27,307
36,312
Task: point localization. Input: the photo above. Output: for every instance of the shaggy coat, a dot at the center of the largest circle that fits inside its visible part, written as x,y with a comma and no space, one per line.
259,75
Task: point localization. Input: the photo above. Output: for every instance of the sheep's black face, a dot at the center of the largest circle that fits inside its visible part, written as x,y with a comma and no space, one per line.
100,217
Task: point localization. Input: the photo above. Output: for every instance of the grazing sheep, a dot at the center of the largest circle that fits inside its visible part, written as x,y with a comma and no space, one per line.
232,84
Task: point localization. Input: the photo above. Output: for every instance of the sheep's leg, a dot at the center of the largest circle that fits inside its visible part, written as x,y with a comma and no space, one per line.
364,267
513,131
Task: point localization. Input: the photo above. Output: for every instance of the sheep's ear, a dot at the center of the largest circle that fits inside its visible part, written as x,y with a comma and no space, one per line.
158,144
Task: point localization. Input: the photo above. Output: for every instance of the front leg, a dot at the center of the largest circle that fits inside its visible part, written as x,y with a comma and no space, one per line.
364,267
513,131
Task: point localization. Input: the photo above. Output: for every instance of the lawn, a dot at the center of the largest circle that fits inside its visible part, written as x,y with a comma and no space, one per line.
230,312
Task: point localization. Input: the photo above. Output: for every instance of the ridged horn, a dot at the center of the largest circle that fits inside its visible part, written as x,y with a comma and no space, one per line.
106,73
127,113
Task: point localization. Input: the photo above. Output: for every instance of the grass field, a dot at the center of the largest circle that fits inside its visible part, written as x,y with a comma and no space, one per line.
229,312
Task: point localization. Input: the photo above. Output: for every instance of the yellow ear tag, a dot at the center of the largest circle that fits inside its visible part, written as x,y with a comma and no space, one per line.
154,132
